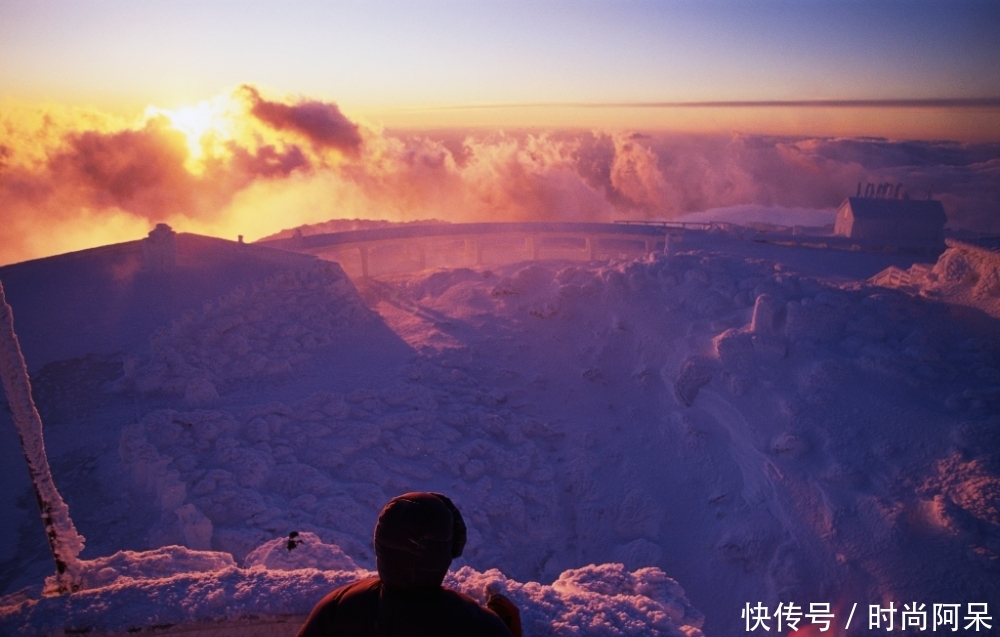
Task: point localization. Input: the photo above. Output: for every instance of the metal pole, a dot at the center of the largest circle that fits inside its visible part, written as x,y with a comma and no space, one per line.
64,541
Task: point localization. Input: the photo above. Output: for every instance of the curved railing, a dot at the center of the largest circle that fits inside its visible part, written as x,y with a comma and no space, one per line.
416,247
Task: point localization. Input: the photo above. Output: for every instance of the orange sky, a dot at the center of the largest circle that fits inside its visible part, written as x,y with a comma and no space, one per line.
115,115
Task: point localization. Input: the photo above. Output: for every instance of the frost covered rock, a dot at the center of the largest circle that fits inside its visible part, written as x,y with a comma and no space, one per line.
768,315
195,528
638,554
808,320
200,392
966,273
788,444
299,550
694,375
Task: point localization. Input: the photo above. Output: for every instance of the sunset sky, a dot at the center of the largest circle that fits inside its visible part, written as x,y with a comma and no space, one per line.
248,117
440,63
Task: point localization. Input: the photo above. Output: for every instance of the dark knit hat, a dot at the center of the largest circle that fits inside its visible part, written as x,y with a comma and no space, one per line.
416,537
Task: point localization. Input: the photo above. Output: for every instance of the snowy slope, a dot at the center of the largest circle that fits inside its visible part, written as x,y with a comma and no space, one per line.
103,300
758,434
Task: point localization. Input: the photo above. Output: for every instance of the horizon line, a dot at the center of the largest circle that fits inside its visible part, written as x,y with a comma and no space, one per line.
972,102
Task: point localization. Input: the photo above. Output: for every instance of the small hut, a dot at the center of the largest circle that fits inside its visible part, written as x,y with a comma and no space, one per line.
882,215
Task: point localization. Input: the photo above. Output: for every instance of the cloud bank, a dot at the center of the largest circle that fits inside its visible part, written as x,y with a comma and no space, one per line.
253,165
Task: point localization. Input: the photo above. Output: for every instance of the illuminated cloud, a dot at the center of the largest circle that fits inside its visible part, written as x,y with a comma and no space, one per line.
140,171
244,164
321,123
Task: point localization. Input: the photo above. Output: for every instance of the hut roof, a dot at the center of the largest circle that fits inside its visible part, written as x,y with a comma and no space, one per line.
897,209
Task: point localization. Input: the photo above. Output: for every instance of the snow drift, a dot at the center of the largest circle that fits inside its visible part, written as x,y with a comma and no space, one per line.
200,592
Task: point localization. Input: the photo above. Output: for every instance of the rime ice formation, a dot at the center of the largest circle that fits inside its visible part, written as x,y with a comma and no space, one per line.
758,422
201,590
64,541
968,272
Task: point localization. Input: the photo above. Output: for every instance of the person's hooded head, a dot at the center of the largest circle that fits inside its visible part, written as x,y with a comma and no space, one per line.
416,538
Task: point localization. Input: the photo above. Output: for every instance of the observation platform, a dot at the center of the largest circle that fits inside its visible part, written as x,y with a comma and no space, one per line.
411,248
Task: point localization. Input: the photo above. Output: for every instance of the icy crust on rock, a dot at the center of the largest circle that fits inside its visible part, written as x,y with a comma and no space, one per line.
130,591
256,331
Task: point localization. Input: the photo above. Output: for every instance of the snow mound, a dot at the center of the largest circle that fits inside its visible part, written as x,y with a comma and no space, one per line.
299,550
595,601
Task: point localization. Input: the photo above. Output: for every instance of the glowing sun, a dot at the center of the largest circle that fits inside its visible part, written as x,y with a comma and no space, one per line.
205,126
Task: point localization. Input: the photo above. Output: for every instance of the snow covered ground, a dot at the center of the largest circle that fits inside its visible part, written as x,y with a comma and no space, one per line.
755,421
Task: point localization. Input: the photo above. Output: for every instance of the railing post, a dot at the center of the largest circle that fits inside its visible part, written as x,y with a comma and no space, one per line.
592,247
532,247
422,252
364,260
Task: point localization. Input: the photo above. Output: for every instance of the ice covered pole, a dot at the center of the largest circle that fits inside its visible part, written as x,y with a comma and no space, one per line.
64,540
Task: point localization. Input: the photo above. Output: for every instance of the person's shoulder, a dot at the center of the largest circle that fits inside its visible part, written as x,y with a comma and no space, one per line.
348,604
360,588
485,621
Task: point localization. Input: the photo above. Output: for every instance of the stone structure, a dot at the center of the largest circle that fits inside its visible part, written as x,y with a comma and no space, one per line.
159,249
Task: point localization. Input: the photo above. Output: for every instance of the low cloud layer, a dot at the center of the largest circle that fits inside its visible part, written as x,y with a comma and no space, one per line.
70,179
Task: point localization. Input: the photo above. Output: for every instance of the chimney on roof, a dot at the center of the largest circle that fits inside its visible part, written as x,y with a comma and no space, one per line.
159,249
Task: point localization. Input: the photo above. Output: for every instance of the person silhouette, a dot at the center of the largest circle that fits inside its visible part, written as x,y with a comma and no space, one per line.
416,537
